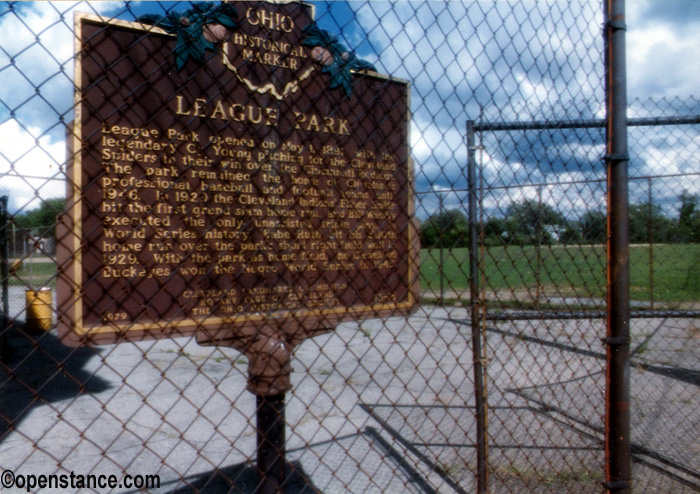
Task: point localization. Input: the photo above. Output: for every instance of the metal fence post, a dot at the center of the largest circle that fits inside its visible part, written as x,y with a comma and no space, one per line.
651,247
442,254
617,402
4,278
480,398
538,247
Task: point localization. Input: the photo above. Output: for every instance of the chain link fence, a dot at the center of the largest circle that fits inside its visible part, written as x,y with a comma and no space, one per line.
551,297
494,381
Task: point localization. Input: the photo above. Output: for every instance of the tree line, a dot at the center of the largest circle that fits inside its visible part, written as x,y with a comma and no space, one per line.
530,222
527,222
43,217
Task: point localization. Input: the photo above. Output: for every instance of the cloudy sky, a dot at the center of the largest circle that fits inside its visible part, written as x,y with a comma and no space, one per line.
497,60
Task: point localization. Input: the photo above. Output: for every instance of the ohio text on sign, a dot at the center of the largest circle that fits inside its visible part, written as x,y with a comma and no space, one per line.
234,194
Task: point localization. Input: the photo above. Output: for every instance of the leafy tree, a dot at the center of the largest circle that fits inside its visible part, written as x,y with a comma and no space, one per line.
42,217
593,225
688,229
495,231
642,217
446,229
528,222
572,233
41,222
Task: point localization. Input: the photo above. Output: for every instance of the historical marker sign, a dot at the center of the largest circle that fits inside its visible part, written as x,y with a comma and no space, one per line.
219,191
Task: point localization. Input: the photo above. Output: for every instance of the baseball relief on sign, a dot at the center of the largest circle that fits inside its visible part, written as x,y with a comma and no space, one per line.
232,167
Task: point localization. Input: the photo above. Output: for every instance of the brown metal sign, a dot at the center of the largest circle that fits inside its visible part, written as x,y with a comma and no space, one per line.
223,191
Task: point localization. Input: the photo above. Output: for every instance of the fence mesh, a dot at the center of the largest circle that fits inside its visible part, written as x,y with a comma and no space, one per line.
389,403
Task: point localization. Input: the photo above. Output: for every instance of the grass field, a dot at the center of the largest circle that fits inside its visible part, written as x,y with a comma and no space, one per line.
570,271
563,271
33,274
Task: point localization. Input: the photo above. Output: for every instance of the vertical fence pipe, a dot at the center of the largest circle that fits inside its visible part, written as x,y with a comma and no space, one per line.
479,388
441,239
4,276
538,247
651,249
617,392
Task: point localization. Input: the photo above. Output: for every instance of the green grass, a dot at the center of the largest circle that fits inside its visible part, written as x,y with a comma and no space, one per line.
569,271
676,272
34,275
566,271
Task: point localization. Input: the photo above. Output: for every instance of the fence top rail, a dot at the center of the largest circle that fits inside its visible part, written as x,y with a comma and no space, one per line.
581,124
593,314
549,184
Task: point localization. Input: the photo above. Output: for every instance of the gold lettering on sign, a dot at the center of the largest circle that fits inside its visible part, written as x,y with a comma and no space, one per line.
270,20
303,206
258,49
218,110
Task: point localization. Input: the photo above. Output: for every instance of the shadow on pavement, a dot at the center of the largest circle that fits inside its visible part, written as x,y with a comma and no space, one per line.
37,369
243,479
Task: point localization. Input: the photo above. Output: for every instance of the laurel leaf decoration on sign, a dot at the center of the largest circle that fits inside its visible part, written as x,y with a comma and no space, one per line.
336,60
196,29
206,23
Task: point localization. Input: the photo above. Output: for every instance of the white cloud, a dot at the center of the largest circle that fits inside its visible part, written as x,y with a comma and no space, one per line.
658,64
662,50
430,141
36,59
36,97
32,165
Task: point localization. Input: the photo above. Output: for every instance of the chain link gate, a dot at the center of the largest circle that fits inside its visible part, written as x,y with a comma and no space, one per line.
503,395
552,308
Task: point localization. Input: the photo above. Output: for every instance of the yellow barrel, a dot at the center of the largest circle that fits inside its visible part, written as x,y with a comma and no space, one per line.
39,309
